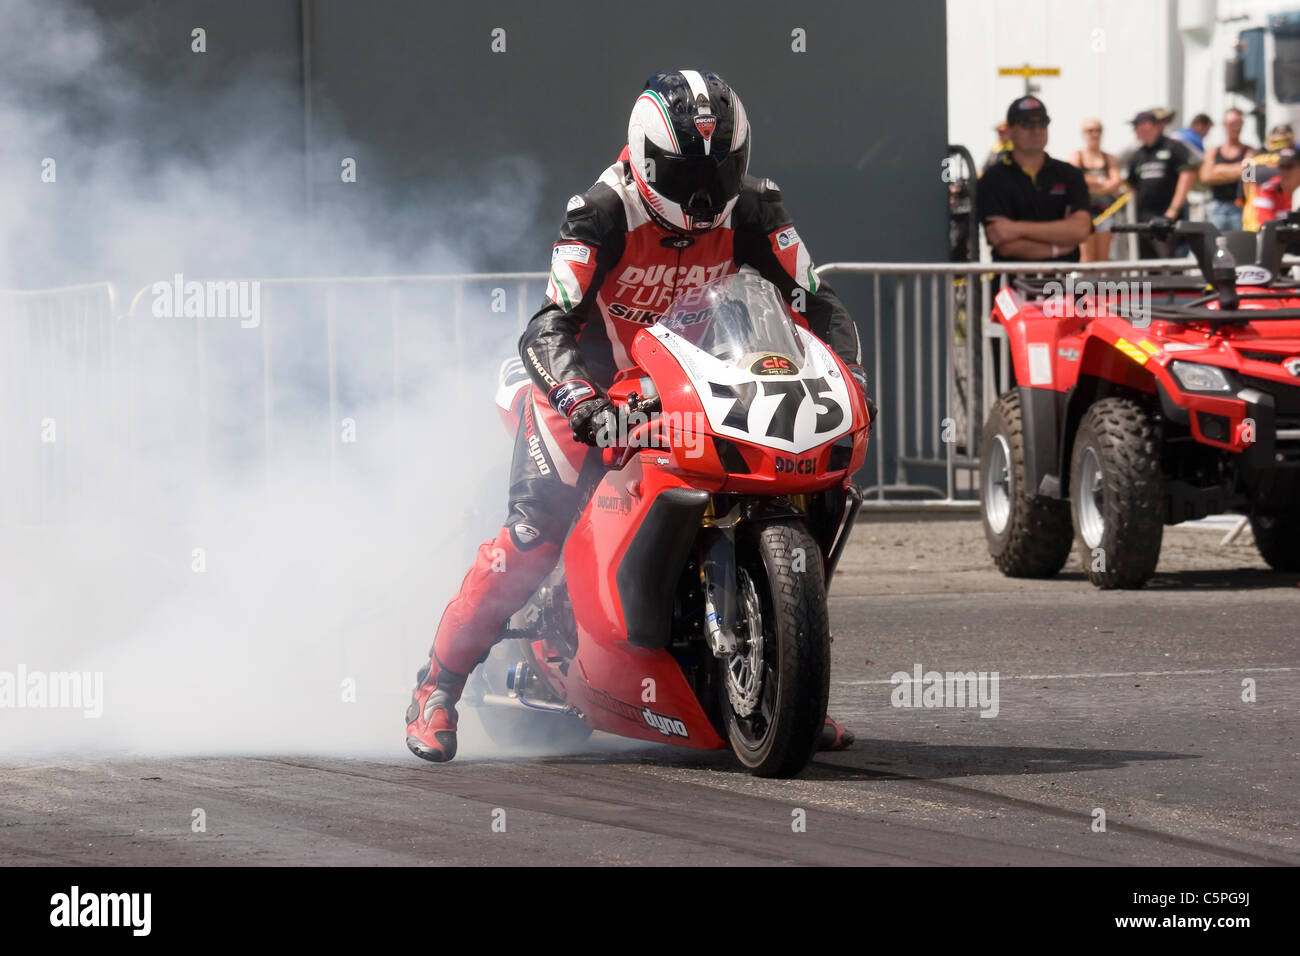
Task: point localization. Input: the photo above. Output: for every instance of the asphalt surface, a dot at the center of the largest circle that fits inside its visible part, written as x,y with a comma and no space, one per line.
1127,703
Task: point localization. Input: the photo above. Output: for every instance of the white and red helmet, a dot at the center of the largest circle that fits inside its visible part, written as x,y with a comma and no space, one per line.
688,146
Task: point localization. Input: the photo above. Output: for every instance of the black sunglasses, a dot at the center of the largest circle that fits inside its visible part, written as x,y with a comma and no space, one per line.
1033,124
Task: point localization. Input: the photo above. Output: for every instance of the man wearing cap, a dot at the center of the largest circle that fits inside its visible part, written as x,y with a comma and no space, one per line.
1260,168
1033,207
1162,173
1273,200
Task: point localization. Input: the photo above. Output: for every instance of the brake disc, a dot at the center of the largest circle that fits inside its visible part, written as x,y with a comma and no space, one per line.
745,667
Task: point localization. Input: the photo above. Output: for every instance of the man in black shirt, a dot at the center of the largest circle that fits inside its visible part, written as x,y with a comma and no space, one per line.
1163,172
1033,207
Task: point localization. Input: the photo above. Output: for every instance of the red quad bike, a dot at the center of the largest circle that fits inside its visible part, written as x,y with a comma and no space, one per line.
689,606
1133,411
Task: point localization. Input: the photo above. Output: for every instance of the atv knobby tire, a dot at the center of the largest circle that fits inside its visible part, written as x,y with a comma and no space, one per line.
1117,494
1028,535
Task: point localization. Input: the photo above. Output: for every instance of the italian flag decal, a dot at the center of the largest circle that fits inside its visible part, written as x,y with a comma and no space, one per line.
572,266
793,256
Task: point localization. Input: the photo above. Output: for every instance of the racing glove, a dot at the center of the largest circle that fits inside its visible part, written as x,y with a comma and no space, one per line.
589,418
583,406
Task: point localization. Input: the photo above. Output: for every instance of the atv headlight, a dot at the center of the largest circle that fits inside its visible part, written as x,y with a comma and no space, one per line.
1200,378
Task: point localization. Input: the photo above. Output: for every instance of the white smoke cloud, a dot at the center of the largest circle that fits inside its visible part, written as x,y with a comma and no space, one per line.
233,599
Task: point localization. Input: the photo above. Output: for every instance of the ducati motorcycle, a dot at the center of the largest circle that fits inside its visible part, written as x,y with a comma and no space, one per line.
689,604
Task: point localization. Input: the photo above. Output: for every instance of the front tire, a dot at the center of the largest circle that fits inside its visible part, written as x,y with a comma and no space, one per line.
775,688
1117,494
1278,539
1028,536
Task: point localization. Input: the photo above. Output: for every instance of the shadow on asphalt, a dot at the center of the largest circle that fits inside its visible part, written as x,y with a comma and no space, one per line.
1235,580
885,760
910,760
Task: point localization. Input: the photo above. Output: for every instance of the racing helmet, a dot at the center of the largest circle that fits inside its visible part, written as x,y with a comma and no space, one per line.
688,147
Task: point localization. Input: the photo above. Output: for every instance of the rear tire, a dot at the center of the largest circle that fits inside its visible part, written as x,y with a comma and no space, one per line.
1278,539
1117,494
1028,536
517,728
780,580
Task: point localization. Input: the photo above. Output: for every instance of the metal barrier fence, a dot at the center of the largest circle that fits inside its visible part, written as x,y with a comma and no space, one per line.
58,421
311,333
75,370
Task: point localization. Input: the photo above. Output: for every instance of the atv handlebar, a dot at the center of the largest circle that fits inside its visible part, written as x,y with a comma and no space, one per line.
1163,228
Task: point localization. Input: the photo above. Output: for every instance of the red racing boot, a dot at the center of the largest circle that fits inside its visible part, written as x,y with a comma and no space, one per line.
835,736
431,718
497,584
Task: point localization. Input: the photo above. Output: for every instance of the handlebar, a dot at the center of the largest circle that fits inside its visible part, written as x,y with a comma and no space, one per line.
615,456
1161,227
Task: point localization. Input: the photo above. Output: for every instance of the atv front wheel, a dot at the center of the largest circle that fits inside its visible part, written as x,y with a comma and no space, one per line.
1028,536
774,688
1278,539
1117,494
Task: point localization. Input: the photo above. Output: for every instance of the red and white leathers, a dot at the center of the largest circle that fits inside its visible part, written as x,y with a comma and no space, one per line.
1271,201
614,269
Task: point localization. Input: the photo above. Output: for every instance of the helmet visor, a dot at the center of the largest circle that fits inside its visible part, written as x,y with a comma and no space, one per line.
701,184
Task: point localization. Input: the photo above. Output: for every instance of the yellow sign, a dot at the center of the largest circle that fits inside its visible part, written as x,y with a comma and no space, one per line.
1028,70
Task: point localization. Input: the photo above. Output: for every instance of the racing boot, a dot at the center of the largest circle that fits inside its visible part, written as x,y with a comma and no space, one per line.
835,736
497,584
431,718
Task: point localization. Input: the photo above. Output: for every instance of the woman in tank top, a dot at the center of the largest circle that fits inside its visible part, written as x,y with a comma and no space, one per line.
1101,172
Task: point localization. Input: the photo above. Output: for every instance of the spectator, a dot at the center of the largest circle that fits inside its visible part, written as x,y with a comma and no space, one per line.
1033,207
1000,146
1194,135
1101,172
1163,117
1260,168
1221,171
1162,172
1274,198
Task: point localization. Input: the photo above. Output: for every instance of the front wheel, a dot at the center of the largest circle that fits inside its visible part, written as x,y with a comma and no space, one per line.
1117,493
775,687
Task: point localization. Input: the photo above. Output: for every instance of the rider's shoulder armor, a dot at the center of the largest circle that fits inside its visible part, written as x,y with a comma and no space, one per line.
759,208
595,217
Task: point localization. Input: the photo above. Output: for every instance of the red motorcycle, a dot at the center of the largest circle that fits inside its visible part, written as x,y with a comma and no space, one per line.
689,606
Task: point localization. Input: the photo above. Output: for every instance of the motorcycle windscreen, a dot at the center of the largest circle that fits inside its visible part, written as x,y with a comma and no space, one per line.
736,318
759,377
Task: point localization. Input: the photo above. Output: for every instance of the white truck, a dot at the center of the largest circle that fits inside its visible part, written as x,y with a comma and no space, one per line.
1242,54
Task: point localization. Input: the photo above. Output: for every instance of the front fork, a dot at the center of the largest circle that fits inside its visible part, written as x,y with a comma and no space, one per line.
718,570
718,578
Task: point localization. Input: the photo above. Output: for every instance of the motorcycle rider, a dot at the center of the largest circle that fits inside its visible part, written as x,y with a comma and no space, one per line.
674,211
